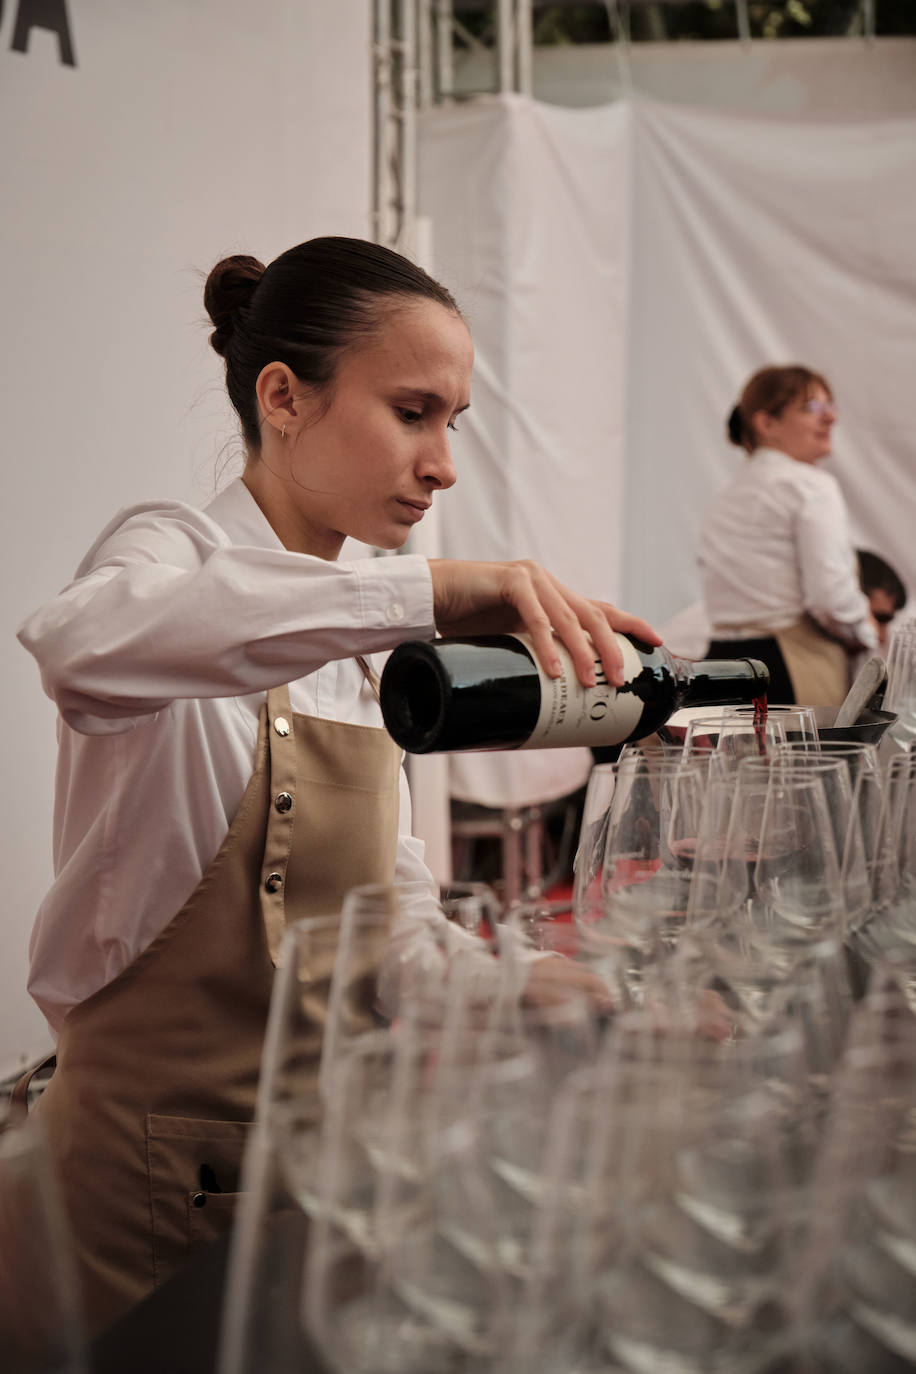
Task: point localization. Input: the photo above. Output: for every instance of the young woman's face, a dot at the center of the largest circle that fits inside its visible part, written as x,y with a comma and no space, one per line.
803,429
370,463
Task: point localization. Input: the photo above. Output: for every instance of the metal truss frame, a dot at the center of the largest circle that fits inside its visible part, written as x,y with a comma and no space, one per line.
413,69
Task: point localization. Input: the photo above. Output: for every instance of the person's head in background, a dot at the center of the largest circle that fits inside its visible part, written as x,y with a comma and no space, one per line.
884,589
787,408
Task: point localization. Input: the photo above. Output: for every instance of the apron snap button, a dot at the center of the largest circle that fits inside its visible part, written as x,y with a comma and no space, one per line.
199,1200
273,882
281,725
283,802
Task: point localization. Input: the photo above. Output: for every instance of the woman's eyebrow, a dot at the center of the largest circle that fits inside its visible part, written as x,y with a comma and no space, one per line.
432,397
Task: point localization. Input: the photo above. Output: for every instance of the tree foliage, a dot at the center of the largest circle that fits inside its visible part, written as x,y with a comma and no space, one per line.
644,20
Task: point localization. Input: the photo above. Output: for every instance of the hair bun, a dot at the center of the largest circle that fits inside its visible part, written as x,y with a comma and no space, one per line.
230,285
735,427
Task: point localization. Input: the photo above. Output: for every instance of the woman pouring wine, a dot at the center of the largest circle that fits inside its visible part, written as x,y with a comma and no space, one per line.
777,564
222,766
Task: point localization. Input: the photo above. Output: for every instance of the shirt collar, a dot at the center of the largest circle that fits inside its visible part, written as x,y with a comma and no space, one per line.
239,514
776,455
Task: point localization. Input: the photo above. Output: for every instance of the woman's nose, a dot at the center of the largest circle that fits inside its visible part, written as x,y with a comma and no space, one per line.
437,467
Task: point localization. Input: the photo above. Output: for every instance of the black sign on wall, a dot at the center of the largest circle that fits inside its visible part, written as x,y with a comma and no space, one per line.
43,14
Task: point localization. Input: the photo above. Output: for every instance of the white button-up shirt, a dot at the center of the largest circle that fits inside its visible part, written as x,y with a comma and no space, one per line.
158,656
775,545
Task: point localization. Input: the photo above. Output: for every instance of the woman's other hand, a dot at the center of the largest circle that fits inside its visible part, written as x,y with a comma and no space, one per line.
505,598
552,980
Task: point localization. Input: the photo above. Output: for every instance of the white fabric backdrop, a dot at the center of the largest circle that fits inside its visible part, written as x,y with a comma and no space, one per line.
624,268
530,230
757,241
186,130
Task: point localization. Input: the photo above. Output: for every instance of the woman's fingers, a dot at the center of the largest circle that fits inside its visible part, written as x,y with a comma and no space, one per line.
497,598
552,980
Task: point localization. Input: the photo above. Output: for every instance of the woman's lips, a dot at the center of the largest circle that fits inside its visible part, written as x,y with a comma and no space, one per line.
415,509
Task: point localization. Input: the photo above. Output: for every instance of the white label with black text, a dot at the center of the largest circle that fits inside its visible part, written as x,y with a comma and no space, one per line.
575,715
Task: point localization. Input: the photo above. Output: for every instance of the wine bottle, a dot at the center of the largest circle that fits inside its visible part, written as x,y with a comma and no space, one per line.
490,692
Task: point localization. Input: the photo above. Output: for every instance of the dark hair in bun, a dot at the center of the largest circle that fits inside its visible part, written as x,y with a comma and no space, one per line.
305,309
771,389
230,287
734,427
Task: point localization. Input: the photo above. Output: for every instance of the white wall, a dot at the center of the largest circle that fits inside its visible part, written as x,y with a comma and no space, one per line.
186,130
625,268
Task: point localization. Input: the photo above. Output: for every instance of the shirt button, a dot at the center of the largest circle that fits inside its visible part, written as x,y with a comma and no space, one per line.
395,613
273,882
281,725
283,802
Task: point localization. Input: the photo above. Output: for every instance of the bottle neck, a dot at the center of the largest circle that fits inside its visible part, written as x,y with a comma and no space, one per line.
718,682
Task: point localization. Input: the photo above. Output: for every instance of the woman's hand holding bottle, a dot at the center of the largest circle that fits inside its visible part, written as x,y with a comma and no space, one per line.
506,598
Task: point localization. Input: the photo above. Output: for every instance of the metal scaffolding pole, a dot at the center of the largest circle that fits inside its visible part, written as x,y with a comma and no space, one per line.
524,38
381,170
413,67
444,61
425,55
398,92
505,45
406,130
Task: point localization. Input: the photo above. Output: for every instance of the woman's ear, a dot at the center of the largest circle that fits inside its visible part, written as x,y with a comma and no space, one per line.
276,390
764,425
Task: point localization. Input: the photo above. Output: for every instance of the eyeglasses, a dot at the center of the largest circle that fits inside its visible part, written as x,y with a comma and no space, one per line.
815,407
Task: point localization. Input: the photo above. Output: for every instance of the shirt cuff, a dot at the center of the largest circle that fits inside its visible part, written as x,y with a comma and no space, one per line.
397,591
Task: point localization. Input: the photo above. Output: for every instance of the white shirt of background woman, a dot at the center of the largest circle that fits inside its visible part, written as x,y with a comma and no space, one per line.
776,545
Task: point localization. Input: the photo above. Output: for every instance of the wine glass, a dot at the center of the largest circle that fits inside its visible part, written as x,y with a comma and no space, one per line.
733,734
649,850
798,722
472,905
703,1170
327,993
856,1283
781,881
410,1250
852,808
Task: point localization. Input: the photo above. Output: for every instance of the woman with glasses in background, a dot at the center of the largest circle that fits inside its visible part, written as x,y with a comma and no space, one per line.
777,564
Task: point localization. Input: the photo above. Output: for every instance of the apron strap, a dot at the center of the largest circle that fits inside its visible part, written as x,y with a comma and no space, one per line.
19,1098
282,762
281,750
371,677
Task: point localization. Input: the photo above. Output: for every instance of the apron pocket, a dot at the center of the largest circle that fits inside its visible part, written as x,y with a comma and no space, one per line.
194,1167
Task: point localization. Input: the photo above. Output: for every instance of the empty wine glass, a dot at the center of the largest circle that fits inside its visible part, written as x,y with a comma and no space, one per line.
781,880
413,1242
852,806
650,835
328,991
707,1167
474,906
856,1284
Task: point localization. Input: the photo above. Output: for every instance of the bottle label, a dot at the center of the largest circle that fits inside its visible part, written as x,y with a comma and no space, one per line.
592,716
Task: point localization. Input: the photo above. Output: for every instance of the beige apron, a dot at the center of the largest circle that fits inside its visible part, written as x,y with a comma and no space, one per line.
817,664
148,1109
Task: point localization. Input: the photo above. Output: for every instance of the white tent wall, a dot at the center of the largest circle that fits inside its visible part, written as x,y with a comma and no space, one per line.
530,231
740,241
186,129
757,241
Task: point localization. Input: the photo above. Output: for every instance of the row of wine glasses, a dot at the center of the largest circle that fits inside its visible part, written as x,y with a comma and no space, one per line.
462,1179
